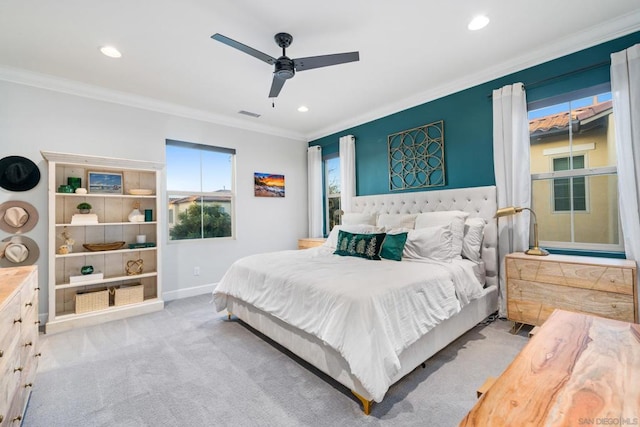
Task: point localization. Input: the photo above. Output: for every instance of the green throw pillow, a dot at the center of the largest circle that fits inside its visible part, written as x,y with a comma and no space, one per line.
359,245
393,245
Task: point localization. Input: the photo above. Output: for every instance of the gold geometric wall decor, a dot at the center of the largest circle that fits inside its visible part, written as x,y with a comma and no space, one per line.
416,157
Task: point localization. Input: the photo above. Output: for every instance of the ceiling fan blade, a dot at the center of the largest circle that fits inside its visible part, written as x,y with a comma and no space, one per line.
276,86
312,62
244,48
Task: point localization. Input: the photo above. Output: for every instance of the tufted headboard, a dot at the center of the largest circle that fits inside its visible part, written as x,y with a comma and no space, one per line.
478,201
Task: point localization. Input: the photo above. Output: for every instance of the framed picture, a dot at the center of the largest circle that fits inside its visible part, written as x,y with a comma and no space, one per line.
105,182
268,185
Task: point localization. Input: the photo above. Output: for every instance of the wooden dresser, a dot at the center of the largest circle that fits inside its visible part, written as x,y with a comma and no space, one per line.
310,242
536,285
18,340
577,370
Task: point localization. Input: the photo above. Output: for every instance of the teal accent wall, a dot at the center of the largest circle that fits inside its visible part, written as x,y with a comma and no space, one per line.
467,115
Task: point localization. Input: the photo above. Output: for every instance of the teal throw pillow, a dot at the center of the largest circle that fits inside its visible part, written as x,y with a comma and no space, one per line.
359,245
393,245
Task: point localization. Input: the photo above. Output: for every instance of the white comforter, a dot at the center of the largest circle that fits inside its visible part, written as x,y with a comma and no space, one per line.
369,311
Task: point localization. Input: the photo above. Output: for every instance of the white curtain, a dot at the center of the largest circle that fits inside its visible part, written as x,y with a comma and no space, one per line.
347,171
625,88
314,171
512,173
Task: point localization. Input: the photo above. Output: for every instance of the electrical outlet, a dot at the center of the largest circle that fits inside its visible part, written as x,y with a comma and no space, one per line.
196,271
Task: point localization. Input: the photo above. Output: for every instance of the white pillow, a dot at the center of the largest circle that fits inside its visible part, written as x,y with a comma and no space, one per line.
351,218
389,221
332,240
454,218
472,240
430,242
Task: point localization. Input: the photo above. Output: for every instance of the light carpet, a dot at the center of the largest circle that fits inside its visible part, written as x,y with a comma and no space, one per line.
188,366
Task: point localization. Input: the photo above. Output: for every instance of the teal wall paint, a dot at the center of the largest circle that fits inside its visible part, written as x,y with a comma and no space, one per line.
467,116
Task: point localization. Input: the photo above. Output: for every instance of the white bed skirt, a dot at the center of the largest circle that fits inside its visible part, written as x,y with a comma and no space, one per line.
329,361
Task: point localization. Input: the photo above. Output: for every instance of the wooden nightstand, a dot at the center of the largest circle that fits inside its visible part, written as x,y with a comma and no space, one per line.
310,242
536,285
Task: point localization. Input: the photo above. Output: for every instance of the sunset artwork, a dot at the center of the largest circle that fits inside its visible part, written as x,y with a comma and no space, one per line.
268,185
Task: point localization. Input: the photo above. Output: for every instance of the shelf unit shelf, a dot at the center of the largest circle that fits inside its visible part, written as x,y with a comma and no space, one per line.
112,211
105,280
113,312
108,223
102,253
119,196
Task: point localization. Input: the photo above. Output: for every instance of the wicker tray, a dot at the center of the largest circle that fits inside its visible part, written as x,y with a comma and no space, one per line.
129,294
92,301
94,247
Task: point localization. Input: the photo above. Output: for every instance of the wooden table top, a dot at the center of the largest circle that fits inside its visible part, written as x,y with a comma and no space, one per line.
10,279
577,370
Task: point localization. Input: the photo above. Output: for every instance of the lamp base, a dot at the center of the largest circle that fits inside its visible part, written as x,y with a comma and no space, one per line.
536,251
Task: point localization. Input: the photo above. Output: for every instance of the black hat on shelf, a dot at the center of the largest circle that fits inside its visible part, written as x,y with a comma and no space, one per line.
18,173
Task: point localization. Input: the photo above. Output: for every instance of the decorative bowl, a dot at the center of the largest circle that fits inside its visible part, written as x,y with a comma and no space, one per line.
140,191
95,247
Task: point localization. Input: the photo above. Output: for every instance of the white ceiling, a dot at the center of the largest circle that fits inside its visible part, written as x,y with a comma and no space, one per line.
411,51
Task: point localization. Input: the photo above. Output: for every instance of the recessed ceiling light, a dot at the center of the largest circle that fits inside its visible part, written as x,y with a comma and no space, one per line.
478,23
110,51
303,109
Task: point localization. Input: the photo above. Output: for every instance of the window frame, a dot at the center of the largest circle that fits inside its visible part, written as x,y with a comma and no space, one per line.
327,196
187,193
586,172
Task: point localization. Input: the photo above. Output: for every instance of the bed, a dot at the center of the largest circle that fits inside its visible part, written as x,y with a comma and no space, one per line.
369,323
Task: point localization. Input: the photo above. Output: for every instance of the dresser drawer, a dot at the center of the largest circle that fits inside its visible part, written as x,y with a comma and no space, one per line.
585,276
533,302
9,377
10,322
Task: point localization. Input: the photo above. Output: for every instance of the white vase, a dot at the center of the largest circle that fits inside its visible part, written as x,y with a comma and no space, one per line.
136,216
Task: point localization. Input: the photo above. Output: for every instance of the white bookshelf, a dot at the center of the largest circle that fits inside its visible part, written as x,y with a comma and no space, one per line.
113,226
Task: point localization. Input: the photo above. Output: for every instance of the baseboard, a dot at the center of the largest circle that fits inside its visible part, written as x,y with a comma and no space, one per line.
189,292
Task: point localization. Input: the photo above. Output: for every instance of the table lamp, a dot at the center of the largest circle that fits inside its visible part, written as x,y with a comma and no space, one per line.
512,210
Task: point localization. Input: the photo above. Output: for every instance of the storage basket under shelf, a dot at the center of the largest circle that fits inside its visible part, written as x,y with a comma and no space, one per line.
92,301
129,294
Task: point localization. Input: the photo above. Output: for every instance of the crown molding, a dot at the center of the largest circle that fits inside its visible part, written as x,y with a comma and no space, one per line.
72,87
606,31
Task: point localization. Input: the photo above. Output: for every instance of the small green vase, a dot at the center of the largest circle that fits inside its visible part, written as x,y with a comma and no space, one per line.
86,269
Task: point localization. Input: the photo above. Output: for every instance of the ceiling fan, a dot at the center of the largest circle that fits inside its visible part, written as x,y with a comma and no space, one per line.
285,67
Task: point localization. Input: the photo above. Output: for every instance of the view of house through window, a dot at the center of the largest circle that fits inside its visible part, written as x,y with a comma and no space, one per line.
332,190
574,188
199,190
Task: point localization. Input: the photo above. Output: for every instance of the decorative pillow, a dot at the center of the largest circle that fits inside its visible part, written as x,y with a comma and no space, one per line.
454,218
472,240
332,240
430,242
393,245
352,218
360,245
389,221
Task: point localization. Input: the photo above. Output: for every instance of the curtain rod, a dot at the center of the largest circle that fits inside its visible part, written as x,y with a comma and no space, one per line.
559,76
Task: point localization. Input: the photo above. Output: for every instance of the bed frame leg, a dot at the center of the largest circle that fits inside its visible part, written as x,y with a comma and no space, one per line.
366,404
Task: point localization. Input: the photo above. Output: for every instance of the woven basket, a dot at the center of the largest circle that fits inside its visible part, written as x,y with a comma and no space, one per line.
92,301
129,294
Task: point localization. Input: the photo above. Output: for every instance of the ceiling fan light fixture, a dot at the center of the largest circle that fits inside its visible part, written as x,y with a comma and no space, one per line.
110,51
478,23
303,108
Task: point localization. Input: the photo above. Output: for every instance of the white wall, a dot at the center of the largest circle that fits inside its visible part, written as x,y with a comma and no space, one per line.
33,119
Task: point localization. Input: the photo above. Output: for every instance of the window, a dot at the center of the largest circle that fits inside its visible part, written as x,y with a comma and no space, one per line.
199,190
563,196
332,191
574,189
